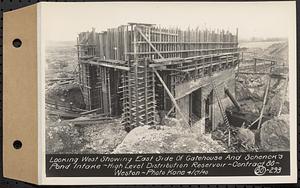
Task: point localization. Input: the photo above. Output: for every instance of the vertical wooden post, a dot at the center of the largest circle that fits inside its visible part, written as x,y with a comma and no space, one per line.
135,49
128,85
237,36
109,92
153,95
229,137
211,67
264,103
125,33
79,66
146,90
149,47
227,62
283,96
239,61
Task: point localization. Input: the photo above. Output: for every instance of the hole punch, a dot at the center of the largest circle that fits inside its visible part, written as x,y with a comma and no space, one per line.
17,144
17,43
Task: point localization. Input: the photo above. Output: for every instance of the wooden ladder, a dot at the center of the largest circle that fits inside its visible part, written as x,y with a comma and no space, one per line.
223,113
138,96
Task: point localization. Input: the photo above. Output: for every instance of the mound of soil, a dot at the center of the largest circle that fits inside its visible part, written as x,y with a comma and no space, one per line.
171,138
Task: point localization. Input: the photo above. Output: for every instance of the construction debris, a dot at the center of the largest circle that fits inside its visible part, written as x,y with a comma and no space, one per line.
241,139
68,94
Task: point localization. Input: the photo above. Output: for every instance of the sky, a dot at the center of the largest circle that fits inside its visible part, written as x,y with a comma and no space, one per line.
63,21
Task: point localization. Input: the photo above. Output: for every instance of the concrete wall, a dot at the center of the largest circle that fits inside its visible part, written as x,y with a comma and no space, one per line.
183,104
221,79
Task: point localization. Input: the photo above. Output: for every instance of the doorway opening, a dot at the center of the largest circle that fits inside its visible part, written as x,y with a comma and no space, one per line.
195,106
208,112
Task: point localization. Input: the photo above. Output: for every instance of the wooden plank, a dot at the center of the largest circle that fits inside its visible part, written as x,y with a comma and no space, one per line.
283,97
107,64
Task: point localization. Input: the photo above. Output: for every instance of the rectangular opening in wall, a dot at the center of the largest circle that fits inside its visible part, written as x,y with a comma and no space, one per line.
208,109
195,105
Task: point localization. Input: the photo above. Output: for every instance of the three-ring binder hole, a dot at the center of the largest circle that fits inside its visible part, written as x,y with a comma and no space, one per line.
17,144
17,43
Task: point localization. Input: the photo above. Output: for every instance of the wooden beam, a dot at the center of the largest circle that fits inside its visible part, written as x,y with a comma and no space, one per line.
171,96
283,76
264,59
109,65
149,42
169,112
180,51
174,61
90,111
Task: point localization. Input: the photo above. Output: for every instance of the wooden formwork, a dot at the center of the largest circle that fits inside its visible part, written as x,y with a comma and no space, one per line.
118,43
143,52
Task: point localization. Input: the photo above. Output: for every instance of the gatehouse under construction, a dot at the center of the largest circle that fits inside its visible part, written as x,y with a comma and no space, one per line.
143,72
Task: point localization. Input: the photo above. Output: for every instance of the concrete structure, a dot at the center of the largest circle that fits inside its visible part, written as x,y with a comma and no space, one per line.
140,70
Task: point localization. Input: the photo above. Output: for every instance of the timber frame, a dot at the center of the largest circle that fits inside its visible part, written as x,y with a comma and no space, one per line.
132,70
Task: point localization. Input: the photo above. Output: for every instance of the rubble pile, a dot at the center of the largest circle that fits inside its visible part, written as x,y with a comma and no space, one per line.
103,138
241,139
274,134
62,137
250,90
65,137
66,94
251,87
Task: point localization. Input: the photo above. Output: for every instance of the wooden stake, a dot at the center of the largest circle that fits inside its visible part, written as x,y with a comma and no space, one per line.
283,97
264,104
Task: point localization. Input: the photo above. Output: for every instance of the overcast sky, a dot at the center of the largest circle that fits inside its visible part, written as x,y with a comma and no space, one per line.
63,21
